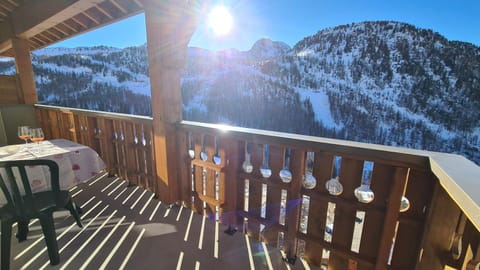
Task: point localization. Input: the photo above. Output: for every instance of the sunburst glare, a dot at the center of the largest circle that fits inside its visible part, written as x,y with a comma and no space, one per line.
220,20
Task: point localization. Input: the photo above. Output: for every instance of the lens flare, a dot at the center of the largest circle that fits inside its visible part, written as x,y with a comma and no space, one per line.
220,20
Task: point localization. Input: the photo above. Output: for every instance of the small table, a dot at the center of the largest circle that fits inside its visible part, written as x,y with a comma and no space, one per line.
76,163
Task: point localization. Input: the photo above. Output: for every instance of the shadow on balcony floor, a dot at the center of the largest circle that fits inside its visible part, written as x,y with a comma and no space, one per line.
126,228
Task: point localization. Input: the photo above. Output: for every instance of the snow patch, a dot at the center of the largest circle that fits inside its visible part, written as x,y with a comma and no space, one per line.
321,107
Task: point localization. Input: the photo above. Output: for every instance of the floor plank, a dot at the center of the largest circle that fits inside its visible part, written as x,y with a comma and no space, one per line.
125,227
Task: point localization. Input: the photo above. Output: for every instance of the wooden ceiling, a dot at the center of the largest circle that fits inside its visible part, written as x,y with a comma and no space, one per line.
44,22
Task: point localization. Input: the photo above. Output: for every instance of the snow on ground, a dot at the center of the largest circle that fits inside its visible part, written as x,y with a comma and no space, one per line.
139,87
80,50
321,106
66,69
195,104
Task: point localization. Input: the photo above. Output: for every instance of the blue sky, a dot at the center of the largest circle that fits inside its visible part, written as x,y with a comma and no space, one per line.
290,21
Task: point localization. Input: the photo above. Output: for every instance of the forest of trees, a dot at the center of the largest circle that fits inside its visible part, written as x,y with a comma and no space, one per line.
386,82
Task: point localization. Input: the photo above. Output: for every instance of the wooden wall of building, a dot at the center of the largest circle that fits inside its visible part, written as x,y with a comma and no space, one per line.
8,90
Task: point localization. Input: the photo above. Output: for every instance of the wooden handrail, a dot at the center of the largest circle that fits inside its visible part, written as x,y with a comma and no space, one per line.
109,115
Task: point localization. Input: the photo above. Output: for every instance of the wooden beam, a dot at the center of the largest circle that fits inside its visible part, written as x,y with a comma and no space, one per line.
45,37
5,6
69,27
2,12
138,3
24,67
13,3
91,17
65,10
5,45
35,42
104,12
117,5
55,35
59,29
79,22
39,40
167,39
34,16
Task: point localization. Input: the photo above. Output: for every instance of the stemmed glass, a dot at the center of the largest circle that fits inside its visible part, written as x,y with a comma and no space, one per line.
285,174
24,134
265,170
216,157
247,164
364,193
203,153
37,136
191,151
333,185
309,181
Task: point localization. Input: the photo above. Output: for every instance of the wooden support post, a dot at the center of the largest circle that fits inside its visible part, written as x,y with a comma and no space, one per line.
170,25
400,179
23,62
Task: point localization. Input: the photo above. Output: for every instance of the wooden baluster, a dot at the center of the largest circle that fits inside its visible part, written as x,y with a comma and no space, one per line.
91,127
274,196
472,256
317,215
150,161
344,223
255,192
120,149
79,128
411,222
130,153
232,188
210,177
222,176
43,118
68,126
400,178
294,198
53,121
104,141
140,154
198,176
185,169
381,183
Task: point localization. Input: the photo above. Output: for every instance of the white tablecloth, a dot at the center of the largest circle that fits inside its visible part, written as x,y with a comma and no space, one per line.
77,163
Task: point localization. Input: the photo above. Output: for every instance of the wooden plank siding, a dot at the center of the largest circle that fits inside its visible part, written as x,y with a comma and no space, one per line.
373,235
125,144
8,90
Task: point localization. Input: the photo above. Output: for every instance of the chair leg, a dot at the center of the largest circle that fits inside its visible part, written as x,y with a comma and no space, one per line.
74,210
48,228
22,230
6,239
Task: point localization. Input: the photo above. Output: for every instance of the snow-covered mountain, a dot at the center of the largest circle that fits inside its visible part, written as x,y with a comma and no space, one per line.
381,82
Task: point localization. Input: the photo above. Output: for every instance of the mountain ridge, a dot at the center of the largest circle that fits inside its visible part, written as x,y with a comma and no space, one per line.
378,82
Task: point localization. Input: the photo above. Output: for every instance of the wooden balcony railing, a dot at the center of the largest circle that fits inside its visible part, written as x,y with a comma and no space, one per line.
424,214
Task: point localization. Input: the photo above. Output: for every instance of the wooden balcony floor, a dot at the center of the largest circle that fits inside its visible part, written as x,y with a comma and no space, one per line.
126,228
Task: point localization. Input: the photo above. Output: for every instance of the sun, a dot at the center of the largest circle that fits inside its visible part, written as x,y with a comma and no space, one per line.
220,20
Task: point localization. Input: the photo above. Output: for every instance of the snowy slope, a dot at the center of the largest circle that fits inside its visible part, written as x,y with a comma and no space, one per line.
380,82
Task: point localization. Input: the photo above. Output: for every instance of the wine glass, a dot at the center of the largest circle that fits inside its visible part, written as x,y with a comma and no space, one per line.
285,174
265,170
364,193
24,134
309,181
247,164
333,185
37,136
